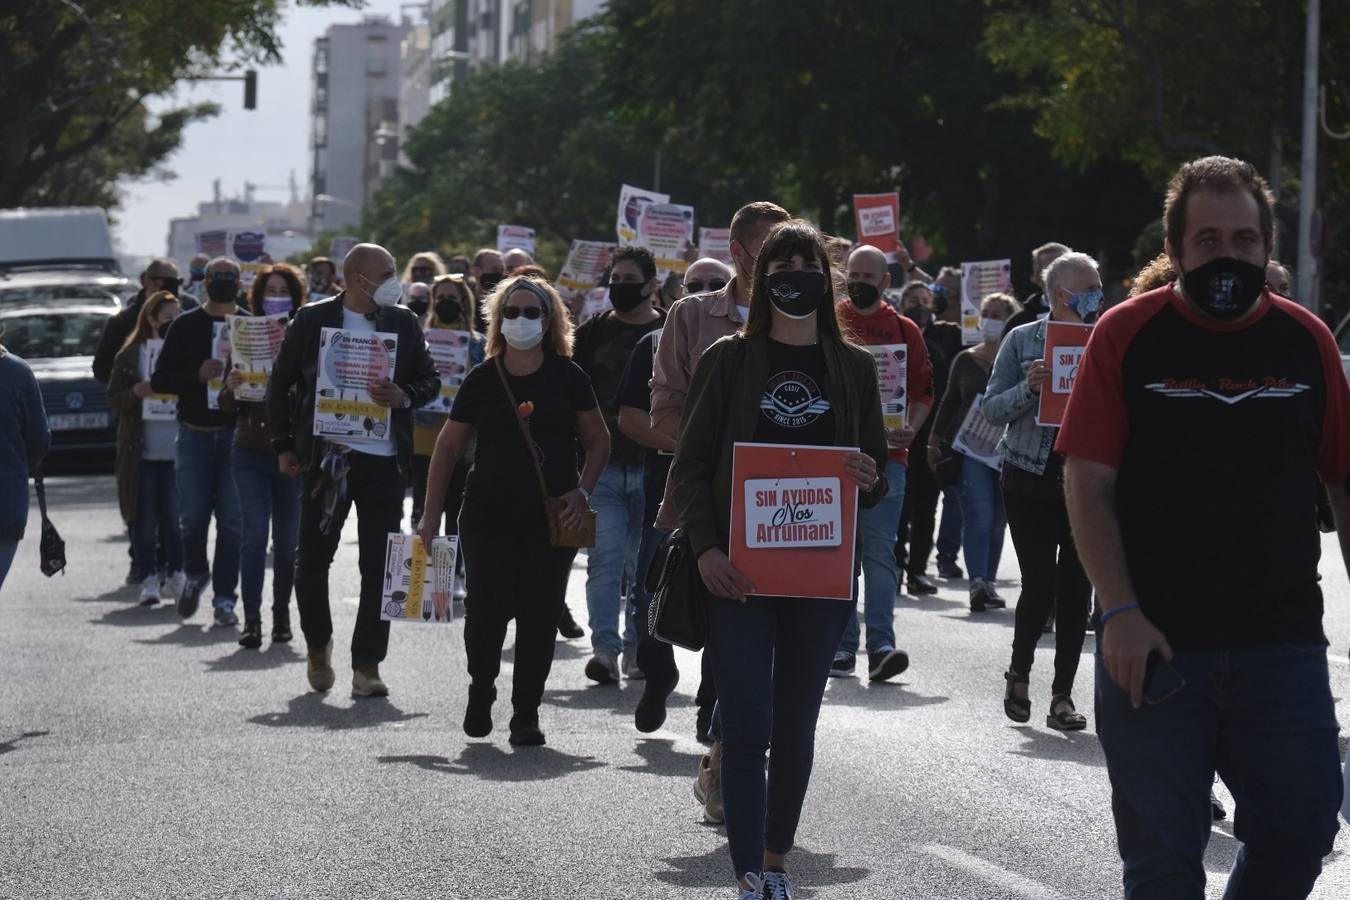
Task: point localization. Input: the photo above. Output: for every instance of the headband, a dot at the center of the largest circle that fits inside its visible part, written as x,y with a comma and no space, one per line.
525,283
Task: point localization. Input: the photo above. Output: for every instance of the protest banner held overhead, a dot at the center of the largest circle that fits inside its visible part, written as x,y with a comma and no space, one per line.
515,237
979,280
715,243
667,230
893,378
1065,343
450,351
632,201
156,407
254,344
793,520
417,586
978,437
878,219
348,362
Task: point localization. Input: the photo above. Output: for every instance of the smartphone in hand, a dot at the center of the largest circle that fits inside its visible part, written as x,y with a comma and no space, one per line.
1161,680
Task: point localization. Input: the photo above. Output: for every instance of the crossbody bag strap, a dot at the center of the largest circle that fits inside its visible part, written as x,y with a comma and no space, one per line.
524,430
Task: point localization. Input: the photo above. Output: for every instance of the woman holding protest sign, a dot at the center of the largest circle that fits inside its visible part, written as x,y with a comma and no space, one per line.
789,378
146,490
268,498
981,499
526,407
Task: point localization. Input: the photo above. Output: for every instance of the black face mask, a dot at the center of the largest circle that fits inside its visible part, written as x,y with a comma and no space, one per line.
920,315
796,293
489,280
626,295
448,311
222,289
1225,288
863,295
418,305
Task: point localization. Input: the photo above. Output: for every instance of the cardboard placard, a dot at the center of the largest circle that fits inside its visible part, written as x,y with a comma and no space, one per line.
220,349
632,201
978,438
515,237
586,263
878,219
156,407
348,362
1064,346
715,243
418,588
979,280
255,342
893,378
667,230
450,351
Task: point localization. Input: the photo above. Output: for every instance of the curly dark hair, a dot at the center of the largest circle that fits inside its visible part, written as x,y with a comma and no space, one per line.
294,283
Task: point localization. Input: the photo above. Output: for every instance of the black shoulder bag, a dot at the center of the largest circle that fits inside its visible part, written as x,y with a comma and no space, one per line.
50,547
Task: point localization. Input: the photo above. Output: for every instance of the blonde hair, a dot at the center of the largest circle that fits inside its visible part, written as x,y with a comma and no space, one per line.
1010,304
557,321
466,303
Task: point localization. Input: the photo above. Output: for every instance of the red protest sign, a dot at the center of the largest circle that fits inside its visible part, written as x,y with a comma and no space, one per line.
1064,346
878,220
794,513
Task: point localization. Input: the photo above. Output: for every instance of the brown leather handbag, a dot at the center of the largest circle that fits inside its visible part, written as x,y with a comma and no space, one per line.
559,535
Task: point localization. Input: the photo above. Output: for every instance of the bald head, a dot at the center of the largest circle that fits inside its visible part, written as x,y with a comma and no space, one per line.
222,264
866,258
867,277
515,258
365,267
703,273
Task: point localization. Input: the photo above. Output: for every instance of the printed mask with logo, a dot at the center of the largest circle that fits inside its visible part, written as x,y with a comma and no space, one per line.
992,329
863,295
275,306
797,293
489,280
523,333
1086,304
1225,288
448,311
626,296
222,287
388,293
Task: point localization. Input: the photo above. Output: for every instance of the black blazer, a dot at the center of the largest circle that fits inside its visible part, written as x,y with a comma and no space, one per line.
292,417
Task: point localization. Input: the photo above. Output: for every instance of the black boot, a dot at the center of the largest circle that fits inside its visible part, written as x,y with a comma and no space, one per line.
478,714
525,730
568,627
252,636
281,624
651,709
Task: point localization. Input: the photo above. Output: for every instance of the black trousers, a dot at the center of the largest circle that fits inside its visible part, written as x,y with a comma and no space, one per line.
375,486
454,492
1051,574
918,516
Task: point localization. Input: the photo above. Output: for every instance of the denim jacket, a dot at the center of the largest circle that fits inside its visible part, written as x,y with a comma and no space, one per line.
1008,401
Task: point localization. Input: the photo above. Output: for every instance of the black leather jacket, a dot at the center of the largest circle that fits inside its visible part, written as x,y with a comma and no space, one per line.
291,417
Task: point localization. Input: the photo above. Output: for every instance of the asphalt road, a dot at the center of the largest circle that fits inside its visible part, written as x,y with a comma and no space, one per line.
143,757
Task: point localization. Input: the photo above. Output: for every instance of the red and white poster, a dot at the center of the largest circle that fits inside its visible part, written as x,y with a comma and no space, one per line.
878,220
1064,346
794,516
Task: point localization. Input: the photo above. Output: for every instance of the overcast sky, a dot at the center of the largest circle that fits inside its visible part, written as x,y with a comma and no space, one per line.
262,145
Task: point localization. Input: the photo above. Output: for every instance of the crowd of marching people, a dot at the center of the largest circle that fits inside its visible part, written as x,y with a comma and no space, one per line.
615,433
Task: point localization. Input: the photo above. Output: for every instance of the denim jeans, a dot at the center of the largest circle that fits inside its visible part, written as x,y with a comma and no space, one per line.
655,658
1264,719
983,519
876,535
206,485
8,547
612,563
949,526
764,705
267,498
156,525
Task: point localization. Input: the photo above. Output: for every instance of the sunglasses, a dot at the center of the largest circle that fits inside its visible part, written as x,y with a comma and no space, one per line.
698,287
515,312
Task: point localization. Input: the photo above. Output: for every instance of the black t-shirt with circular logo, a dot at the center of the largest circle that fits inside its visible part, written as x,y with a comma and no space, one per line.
793,408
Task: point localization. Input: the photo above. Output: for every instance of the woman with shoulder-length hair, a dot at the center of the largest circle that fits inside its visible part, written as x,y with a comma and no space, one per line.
790,377
147,492
527,406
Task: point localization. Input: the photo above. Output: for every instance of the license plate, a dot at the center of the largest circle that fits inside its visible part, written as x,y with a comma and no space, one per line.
78,421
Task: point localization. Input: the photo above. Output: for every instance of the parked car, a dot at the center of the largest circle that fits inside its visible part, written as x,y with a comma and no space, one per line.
58,342
45,286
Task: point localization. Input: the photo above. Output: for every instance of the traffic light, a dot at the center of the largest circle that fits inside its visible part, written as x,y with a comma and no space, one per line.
251,89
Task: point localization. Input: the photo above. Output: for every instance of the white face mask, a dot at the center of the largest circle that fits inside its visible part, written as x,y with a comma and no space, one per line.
523,333
992,329
388,293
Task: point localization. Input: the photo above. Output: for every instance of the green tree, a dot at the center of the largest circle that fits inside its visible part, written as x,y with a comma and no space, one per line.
74,78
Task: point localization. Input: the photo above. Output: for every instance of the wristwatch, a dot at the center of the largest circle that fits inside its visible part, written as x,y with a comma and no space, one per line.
407,399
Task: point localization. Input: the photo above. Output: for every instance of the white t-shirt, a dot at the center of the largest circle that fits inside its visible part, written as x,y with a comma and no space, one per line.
355,321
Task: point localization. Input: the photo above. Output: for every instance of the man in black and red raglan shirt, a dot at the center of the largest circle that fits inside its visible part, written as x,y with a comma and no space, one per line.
1199,416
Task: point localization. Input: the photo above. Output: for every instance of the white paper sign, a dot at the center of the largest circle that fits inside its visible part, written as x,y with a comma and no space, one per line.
156,407
893,378
632,201
348,362
586,262
515,237
220,349
667,229
877,221
793,512
254,344
1065,369
450,351
716,243
418,589
978,437
979,280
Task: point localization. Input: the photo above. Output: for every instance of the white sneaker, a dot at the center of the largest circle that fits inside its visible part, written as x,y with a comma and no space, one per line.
755,891
150,591
777,886
171,588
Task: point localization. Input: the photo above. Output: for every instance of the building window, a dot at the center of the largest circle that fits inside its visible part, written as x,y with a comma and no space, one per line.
375,54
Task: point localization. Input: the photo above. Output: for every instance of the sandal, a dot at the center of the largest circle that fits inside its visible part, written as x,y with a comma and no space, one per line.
1063,716
1014,707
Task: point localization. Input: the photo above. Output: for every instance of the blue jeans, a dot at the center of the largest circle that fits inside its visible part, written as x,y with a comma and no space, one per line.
983,518
876,534
205,485
949,526
618,502
157,512
1264,719
267,498
8,547
762,705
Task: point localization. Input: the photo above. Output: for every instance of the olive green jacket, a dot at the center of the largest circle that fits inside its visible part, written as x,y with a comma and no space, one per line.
723,409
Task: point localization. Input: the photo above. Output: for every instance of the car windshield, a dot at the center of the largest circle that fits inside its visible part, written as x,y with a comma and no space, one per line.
44,335
45,293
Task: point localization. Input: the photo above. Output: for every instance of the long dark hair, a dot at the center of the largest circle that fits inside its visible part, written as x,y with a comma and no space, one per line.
289,274
788,239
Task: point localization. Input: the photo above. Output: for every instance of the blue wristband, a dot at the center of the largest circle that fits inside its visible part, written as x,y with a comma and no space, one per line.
1106,616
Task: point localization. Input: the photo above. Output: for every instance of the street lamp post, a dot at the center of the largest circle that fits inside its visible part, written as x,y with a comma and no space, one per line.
1307,200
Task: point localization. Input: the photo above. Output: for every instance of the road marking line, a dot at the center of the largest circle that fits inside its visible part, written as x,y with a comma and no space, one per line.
1339,660
987,871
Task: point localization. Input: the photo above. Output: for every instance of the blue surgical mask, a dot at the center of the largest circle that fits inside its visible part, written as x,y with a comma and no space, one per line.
1087,304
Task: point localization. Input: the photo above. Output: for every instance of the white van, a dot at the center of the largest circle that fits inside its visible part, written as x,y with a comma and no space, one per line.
57,255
